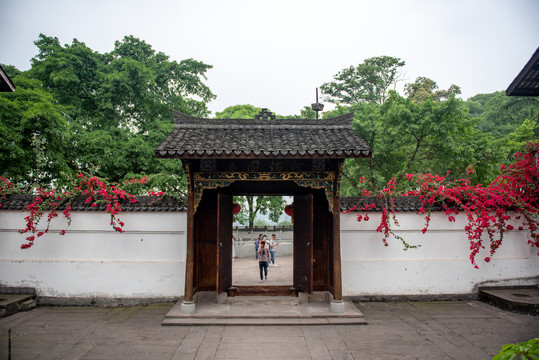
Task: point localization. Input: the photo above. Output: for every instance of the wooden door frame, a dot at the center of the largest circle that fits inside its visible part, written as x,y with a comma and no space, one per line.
333,244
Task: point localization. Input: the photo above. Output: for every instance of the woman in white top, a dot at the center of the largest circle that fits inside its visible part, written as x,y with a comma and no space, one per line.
272,245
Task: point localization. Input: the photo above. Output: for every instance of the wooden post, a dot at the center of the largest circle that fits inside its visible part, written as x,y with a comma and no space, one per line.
190,258
337,276
9,345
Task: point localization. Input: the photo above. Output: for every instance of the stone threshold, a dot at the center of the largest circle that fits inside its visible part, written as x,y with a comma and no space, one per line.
264,311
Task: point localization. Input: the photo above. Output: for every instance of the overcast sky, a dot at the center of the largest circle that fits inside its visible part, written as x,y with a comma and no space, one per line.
275,53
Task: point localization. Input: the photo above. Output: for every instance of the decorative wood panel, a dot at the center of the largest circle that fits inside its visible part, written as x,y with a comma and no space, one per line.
324,180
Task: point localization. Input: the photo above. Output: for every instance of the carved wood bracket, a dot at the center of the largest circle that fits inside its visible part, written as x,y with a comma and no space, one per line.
312,179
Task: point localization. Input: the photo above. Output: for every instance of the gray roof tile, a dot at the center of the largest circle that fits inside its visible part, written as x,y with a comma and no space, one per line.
166,204
144,203
401,203
199,137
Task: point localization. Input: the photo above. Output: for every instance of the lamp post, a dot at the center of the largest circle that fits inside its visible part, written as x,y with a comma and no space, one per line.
317,106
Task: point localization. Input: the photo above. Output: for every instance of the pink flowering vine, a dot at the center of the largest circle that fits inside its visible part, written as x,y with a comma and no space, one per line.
53,202
6,187
488,209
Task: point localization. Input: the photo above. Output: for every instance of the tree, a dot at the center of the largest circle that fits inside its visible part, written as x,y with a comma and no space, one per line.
260,222
117,105
370,81
273,206
34,135
307,113
500,115
424,88
284,223
238,112
250,111
409,137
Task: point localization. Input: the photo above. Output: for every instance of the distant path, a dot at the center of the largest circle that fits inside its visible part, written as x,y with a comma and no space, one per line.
245,271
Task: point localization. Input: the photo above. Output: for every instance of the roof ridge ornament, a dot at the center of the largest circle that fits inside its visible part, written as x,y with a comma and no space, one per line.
265,115
317,106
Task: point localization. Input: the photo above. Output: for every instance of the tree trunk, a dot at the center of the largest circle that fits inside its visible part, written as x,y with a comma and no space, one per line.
250,200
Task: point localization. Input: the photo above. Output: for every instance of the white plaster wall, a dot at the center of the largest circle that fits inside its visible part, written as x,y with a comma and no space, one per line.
440,266
148,261
92,260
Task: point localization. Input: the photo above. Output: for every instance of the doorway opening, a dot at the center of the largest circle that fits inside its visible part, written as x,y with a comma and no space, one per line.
312,255
261,216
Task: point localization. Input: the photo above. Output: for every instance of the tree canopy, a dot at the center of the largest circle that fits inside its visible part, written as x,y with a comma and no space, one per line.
78,110
102,114
501,115
370,81
427,129
238,112
424,88
409,137
35,134
252,206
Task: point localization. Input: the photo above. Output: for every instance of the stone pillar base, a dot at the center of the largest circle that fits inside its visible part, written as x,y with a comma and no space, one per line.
336,307
188,307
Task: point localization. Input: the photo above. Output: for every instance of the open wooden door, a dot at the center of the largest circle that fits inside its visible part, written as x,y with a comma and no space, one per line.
224,242
303,243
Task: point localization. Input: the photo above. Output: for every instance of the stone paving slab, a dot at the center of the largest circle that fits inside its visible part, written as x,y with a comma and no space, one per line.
460,330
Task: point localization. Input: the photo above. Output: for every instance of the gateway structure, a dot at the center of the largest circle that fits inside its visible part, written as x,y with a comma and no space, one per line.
302,158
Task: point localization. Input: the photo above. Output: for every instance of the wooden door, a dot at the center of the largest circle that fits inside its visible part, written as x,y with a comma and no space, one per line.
205,243
224,242
303,243
322,218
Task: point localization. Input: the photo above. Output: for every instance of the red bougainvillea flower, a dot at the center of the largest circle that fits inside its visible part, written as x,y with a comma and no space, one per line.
51,201
488,209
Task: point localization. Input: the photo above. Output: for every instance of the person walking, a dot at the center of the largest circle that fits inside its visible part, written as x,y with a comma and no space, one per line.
272,245
263,260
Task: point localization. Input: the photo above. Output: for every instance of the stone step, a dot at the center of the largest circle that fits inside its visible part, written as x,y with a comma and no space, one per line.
266,322
520,299
258,310
263,300
12,303
262,290
27,305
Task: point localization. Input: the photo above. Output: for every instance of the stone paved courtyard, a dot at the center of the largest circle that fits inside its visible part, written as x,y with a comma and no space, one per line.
402,330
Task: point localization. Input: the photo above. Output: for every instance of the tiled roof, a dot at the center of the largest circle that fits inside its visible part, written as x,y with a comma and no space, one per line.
164,204
144,203
527,81
6,85
263,136
402,203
